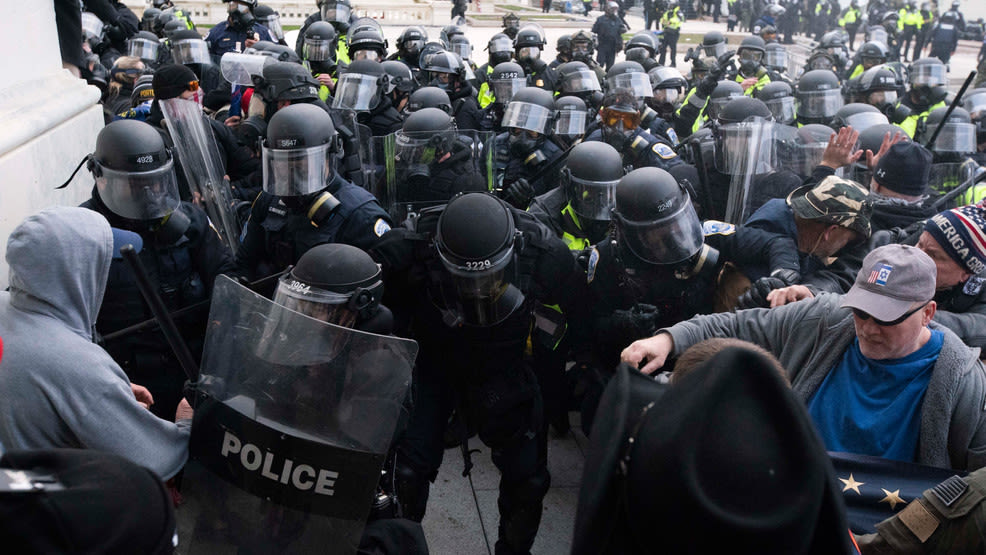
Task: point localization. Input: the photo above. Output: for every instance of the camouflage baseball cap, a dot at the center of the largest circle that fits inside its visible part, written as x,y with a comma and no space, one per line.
834,201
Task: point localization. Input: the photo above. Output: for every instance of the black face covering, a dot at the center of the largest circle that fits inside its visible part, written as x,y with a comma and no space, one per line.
749,67
522,145
241,21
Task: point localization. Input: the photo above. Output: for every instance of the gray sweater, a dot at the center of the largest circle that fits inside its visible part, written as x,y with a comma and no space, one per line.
57,387
809,338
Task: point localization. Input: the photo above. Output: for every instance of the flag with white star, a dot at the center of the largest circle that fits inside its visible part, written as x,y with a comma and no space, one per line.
875,489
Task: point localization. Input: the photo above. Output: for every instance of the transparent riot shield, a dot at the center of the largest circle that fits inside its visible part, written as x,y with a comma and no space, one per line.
199,157
946,177
408,161
291,429
745,151
240,69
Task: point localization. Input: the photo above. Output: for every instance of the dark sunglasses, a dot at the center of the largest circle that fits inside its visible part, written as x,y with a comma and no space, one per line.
866,316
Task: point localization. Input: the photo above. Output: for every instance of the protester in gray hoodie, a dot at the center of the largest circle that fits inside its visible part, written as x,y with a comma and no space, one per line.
57,387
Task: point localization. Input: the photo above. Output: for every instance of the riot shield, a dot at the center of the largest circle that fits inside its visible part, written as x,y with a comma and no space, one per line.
292,425
406,161
240,69
199,157
945,177
745,151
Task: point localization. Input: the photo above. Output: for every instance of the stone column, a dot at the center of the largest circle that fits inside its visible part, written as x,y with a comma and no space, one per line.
48,119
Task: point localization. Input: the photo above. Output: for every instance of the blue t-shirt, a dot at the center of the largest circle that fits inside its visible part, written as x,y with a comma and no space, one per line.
873,407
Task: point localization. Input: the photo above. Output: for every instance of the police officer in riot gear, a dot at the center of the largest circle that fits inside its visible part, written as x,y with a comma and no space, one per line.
524,154
563,51
872,53
642,48
571,120
819,97
779,98
305,202
433,163
927,77
410,43
428,97
240,29
336,12
584,49
446,71
366,44
577,79
528,46
879,87
501,49
467,277
751,72
365,88
511,25
693,111
506,79
659,266
136,190
319,51
669,92
620,127
269,18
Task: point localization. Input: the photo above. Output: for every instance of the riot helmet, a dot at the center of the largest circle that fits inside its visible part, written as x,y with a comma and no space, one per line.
320,43
957,135
461,46
742,108
750,54
506,80
444,70
300,152
269,18
451,31
859,116
286,81
528,44
619,117
575,78
528,116
820,59
134,171
172,27
475,242
160,21
333,282
564,47
669,90
571,117
629,75
725,91
775,10
834,42
411,42
975,103
144,45
927,77
188,47
147,19
877,87
361,87
400,76
583,45
775,57
641,46
429,97
778,96
279,52
365,24
873,53
337,12
501,48
241,14
806,150
655,219
426,136
592,172
871,139
366,44
511,24
819,96
713,44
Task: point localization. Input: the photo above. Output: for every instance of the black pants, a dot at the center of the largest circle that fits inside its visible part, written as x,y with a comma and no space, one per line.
670,40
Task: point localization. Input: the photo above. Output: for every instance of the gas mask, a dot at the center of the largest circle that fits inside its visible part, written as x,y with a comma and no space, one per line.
240,16
522,143
618,126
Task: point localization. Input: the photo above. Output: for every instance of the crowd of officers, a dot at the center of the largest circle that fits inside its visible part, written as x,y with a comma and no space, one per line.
531,216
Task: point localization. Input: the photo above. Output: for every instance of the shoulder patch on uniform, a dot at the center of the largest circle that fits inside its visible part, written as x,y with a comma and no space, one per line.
973,285
664,151
590,271
715,227
949,491
672,135
380,227
919,520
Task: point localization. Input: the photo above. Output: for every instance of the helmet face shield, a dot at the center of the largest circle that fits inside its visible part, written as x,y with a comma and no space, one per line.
413,45
932,75
714,50
356,91
955,137
638,82
478,289
149,195
524,115
776,58
504,89
670,96
319,50
570,123
142,48
593,200
975,104
190,51
502,44
273,24
669,240
881,98
746,147
368,54
783,109
613,118
296,172
582,80
750,55
320,304
463,49
529,53
864,120
819,104
92,26
339,13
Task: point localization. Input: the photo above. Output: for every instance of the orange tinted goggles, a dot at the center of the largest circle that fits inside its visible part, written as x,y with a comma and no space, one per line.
193,86
612,117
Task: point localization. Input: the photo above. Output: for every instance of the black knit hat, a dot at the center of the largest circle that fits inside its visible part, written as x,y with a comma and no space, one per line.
171,80
105,504
904,169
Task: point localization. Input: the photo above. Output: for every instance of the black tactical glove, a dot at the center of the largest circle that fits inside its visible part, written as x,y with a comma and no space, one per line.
718,71
756,297
115,33
706,86
520,193
641,319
